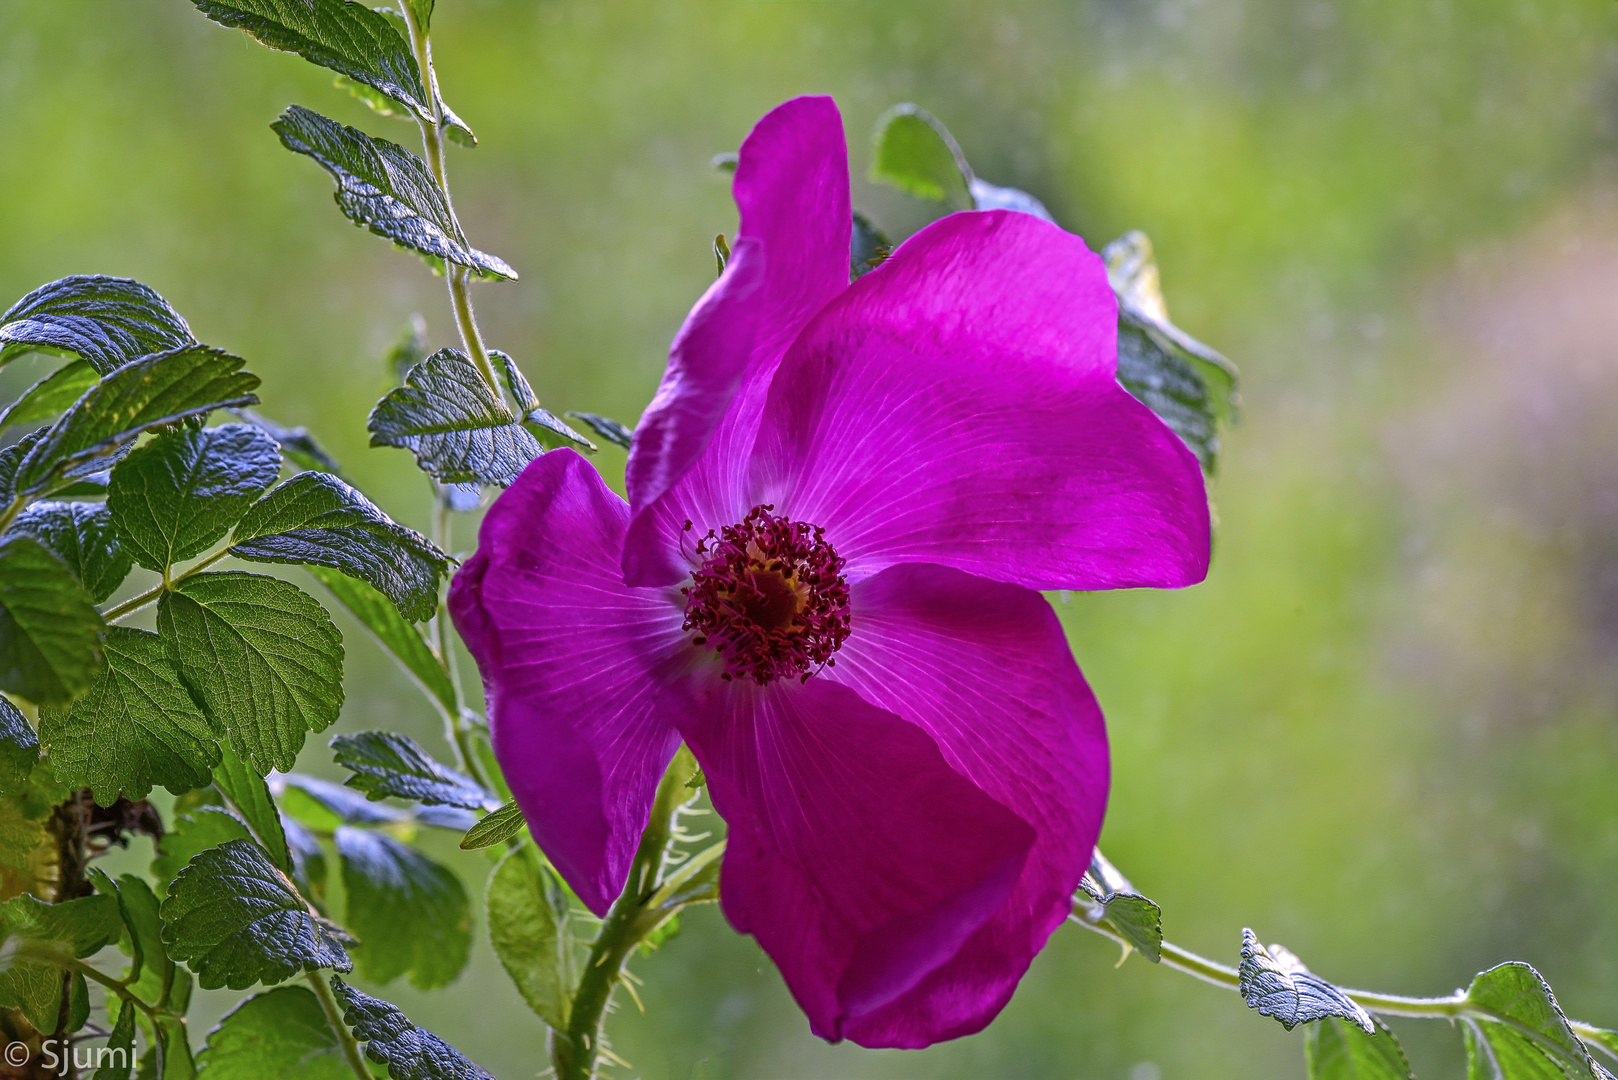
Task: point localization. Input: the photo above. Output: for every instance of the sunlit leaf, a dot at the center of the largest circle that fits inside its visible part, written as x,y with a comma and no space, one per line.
494,828
279,1033
1276,983
250,795
75,928
1517,1031
82,536
454,423
1336,1049
915,153
385,763
400,638
107,321
52,395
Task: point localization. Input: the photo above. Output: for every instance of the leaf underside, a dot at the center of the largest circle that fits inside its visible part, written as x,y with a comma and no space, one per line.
1275,982
409,1052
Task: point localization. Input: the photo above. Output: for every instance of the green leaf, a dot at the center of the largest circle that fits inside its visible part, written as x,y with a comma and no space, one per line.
1335,1049
262,657
422,10
410,349
315,518
107,321
50,631
1516,1031
236,920
540,421
324,806
201,829
250,795
82,536
528,913
308,859
987,196
170,1057
296,443
1276,983
134,727
606,427
1132,916
179,494
385,763
385,188
151,972
73,928
409,1052
412,915
118,1057
348,38
19,749
494,828
144,394
280,1033
1165,382
459,430
51,395
25,810
868,247
915,153
403,640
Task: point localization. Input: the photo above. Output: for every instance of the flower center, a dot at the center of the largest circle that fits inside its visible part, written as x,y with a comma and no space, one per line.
769,598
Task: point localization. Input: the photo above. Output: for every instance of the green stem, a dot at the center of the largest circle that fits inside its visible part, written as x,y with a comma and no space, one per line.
334,1017
135,603
432,142
9,514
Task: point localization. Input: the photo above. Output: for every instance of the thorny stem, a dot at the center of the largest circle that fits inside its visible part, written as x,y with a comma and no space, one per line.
135,603
334,1017
432,141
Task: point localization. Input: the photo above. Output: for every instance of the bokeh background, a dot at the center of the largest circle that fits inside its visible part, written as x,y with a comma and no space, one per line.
1384,732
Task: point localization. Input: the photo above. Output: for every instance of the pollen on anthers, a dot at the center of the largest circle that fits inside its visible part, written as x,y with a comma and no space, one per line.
770,597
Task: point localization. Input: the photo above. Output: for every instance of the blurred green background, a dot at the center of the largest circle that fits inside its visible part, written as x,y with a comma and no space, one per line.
1382,733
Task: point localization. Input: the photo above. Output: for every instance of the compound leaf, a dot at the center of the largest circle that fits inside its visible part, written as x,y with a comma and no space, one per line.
282,1032
261,655
51,395
83,537
409,1052
1276,983
1515,1029
315,518
107,321
146,393
50,631
348,38
179,494
454,423
915,153
1335,1049
236,920
528,912
385,188
412,915
400,638
134,727
386,763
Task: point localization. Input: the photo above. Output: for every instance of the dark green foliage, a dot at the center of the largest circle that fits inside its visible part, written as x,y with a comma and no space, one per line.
82,536
51,395
1276,983
494,828
250,795
317,519
144,394
1517,1031
396,635
202,828
134,727
454,423
50,631
179,494
279,1033
606,427
296,443
261,656
324,806
409,1052
527,909
348,38
1335,1049
385,763
19,749
74,928
385,188
867,248
913,152
237,920
120,1058
411,915
1133,917
107,321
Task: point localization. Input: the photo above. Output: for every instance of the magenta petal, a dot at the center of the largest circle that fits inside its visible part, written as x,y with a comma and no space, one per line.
984,668
790,256
960,406
857,857
570,658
